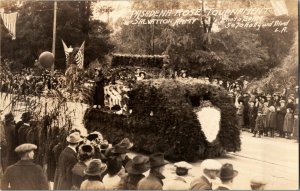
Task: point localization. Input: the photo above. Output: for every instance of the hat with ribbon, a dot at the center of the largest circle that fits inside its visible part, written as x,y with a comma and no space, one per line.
126,142
227,172
157,160
74,138
138,165
119,149
95,168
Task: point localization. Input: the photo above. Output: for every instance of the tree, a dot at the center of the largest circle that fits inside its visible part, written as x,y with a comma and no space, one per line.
74,25
196,47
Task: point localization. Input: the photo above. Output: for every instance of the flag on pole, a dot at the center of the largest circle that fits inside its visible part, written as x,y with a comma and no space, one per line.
67,51
279,7
10,21
79,57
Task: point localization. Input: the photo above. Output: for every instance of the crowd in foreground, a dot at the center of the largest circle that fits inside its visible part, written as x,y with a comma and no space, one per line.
91,163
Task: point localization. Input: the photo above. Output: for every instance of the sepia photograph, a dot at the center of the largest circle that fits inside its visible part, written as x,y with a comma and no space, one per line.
149,95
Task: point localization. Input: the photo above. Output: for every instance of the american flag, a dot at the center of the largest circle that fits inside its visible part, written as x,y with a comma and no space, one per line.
79,57
66,51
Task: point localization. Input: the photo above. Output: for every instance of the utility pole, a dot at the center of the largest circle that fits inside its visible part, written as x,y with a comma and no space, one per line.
54,35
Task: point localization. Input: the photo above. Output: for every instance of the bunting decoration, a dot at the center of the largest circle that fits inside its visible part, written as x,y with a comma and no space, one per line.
79,57
279,7
10,20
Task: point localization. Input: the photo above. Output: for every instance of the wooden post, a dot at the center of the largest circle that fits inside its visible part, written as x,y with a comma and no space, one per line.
54,35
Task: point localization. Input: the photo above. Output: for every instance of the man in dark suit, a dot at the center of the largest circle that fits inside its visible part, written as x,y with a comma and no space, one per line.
24,174
211,169
67,160
227,175
154,180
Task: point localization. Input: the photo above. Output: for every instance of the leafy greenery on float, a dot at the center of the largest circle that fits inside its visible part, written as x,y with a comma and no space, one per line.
174,128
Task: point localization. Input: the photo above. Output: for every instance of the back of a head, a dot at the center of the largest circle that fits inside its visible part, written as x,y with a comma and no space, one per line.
114,165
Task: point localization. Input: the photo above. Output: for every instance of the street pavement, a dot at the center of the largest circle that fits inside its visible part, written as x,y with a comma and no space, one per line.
276,159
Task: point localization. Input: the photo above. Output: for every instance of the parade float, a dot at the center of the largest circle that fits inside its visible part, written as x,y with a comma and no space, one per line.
185,118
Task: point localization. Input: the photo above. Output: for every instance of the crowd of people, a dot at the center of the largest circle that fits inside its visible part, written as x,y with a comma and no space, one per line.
92,163
268,115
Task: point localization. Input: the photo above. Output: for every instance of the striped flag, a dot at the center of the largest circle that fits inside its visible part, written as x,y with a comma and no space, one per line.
67,51
79,57
279,7
10,21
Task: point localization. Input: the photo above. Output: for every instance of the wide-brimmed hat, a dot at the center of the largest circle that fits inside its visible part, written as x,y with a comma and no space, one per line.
126,142
157,160
227,172
119,149
96,167
74,138
94,135
211,164
26,147
86,149
138,165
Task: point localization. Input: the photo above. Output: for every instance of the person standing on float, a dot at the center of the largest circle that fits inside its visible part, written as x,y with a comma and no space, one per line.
99,90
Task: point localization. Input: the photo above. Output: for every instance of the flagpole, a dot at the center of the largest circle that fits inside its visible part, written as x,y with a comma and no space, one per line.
54,36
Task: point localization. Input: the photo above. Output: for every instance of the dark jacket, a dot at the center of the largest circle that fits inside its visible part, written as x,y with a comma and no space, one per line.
78,175
152,182
259,124
24,175
201,184
252,113
130,181
63,174
288,123
271,120
280,117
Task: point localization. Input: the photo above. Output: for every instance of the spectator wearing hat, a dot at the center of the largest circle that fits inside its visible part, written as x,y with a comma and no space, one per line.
180,181
9,131
258,183
276,100
252,113
271,121
67,160
270,100
288,123
95,139
154,180
290,103
211,169
227,174
281,111
296,125
93,173
240,114
127,144
265,111
259,124
85,156
24,175
113,177
135,169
